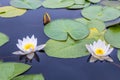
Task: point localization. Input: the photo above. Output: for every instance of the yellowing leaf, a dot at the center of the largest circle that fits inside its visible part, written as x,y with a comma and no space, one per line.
9,11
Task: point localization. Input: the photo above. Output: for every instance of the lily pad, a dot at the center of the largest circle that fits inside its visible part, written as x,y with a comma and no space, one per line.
79,6
94,1
9,11
10,70
67,49
27,4
30,77
101,13
57,3
99,25
60,29
3,39
115,4
80,1
112,36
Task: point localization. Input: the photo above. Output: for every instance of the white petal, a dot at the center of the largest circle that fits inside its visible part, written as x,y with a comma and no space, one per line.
19,41
107,58
92,59
19,46
109,51
30,56
40,47
19,53
89,49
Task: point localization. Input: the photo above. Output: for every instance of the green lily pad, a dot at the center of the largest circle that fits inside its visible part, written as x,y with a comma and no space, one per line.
100,25
3,39
101,13
9,11
10,70
67,49
60,29
27,4
94,1
30,77
79,6
118,54
115,4
112,36
80,1
57,3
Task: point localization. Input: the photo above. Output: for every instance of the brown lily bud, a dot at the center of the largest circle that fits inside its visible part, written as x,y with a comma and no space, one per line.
46,18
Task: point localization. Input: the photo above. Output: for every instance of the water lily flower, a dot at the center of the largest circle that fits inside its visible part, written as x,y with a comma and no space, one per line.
99,51
28,47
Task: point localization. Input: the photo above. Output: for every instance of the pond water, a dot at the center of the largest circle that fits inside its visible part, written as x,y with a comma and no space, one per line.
52,68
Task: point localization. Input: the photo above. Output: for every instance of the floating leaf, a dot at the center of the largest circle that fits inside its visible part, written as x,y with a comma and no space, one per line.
94,1
80,1
3,39
93,23
101,13
115,4
30,77
57,3
118,54
10,70
67,49
78,6
60,29
112,36
27,4
9,11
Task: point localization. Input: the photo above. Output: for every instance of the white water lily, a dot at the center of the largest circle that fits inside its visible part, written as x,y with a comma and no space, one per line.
28,46
99,51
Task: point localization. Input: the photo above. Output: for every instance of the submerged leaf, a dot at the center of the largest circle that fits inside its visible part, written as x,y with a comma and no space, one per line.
10,70
60,29
57,3
9,11
30,77
101,13
3,39
112,36
27,4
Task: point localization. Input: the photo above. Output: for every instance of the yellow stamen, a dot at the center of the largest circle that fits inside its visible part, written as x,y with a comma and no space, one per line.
99,51
29,46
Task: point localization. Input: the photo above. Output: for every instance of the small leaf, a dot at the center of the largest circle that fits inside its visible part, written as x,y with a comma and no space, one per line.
30,77
3,39
57,3
112,36
10,70
60,29
9,11
27,4
67,49
101,13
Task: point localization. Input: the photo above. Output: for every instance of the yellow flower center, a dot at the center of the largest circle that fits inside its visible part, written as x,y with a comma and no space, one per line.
99,51
29,46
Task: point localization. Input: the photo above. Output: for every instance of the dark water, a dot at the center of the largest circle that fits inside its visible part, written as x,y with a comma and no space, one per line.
52,68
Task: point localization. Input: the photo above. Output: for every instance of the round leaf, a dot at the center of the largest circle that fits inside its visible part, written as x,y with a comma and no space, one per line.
80,1
57,3
60,29
93,23
10,70
9,11
27,4
112,36
30,77
67,49
3,39
101,13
